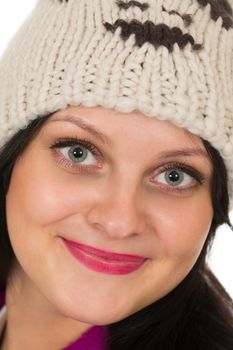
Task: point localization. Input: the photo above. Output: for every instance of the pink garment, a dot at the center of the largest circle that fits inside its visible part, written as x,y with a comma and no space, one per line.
93,339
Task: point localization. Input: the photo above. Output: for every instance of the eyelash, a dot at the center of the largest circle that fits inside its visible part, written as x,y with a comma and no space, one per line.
199,178
74,141
70,142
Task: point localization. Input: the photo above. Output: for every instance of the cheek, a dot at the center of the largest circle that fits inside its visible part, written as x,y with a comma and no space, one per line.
183,227
34,195
40,198
45,194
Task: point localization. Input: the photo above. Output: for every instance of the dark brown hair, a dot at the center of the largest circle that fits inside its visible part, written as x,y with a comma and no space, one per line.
197,314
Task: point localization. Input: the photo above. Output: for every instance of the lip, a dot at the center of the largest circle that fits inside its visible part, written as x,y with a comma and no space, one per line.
102,260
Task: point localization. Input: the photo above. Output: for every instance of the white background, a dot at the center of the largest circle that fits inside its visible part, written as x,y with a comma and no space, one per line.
12,14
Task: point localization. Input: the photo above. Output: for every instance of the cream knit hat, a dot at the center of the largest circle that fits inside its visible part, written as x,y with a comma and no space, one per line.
170,59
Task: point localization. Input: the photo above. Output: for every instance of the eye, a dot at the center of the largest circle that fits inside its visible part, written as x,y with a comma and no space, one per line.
175,177
76,153
179,177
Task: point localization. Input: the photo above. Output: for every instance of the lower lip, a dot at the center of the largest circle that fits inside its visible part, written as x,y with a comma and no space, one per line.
97,263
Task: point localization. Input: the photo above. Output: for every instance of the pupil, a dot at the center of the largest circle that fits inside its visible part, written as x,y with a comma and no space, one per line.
174,176
77,152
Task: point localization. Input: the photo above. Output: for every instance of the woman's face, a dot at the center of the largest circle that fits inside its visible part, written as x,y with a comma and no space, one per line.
135,187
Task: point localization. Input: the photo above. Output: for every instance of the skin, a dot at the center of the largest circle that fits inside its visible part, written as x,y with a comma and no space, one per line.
123,204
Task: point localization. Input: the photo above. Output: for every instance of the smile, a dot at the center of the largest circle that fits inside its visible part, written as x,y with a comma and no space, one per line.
103,261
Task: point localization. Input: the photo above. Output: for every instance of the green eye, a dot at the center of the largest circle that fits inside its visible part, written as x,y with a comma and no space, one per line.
174,177
77,153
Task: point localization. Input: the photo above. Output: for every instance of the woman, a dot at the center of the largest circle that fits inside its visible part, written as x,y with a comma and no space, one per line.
116,170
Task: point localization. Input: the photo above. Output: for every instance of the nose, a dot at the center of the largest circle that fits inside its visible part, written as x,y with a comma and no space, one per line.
118,213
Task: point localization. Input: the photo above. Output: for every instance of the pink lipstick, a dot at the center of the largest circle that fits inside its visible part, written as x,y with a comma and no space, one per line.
103,261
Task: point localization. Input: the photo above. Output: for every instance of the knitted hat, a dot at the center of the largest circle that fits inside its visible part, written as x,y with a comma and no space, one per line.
170,59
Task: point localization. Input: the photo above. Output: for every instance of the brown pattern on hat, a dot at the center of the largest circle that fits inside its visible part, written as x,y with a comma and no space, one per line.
220,8
155,34
161,34
126,5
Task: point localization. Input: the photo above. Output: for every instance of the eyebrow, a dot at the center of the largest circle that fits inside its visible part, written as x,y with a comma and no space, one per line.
183,152
86,126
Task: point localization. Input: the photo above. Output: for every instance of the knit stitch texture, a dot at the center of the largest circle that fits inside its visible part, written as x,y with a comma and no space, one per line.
170,59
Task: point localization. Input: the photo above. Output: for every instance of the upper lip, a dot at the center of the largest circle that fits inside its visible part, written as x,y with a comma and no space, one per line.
105,254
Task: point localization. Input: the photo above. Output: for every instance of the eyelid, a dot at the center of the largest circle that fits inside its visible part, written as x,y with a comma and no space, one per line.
67,142
74,141
172,165
197,175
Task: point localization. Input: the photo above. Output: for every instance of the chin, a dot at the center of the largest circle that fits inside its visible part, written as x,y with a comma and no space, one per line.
92,314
